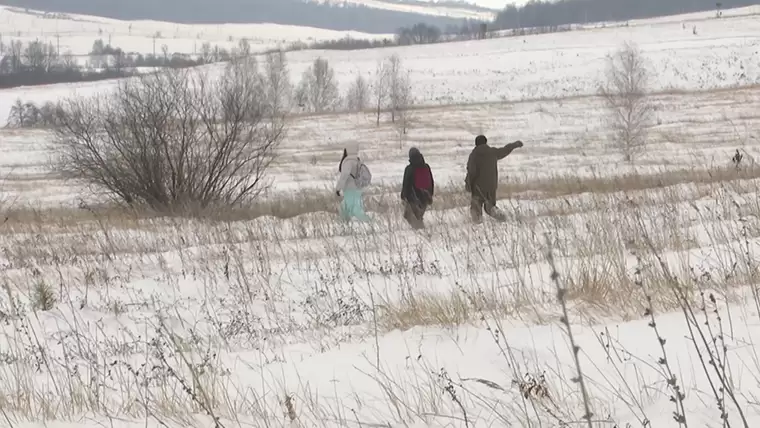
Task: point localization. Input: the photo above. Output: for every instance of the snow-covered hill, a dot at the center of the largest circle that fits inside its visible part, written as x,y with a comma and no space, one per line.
76,33
723,53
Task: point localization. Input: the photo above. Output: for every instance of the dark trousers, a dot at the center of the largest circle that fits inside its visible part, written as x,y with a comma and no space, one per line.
479,203
414,213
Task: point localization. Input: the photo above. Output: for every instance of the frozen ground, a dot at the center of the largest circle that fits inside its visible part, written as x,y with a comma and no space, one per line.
121,320
76,33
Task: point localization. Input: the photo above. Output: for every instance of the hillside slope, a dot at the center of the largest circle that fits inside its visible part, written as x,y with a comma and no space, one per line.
286,12
76,33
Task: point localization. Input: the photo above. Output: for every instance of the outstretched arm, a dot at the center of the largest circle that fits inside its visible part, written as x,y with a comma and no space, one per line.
503,152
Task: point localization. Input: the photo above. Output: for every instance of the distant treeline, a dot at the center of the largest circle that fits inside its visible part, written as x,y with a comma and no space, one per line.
39,63
288,12
544,13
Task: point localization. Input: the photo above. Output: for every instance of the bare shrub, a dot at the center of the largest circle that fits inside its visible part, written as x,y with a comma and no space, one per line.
626,98
358,94
173,140
318,90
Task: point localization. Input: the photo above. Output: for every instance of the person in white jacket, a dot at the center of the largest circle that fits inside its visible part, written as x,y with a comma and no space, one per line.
352,205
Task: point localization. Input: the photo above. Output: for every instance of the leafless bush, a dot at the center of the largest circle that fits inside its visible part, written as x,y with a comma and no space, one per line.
626,98
358,94
318,90
174,140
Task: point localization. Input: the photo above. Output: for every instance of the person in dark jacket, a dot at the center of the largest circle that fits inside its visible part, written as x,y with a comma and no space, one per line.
417,189
483,177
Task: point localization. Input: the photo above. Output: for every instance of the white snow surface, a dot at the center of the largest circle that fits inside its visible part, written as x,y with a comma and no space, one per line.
130,322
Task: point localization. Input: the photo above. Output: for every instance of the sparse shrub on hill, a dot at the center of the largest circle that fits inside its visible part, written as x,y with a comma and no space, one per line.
173,141
626,98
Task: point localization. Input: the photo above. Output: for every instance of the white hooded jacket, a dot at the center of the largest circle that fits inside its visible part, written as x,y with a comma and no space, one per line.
349,165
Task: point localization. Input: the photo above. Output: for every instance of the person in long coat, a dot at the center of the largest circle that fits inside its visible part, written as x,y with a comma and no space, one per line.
482,179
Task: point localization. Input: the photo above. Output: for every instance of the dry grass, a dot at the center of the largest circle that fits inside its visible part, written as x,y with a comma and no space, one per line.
383,200
60,262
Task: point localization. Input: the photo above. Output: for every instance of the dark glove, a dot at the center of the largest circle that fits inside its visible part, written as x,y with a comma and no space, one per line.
518,144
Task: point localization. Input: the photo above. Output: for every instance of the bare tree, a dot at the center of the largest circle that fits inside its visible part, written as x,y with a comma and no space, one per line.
402,101
35,55
16,55
399,90
30,115
68,62
420,33
207,54
18,117
626,98
380,88
277,84
243,48
318,89
357,97
119,60
173,140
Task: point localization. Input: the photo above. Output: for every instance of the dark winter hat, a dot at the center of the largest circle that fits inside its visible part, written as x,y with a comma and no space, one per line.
480,140
414,151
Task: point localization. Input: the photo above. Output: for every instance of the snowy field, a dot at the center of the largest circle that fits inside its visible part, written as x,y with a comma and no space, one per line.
76,33
285,317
